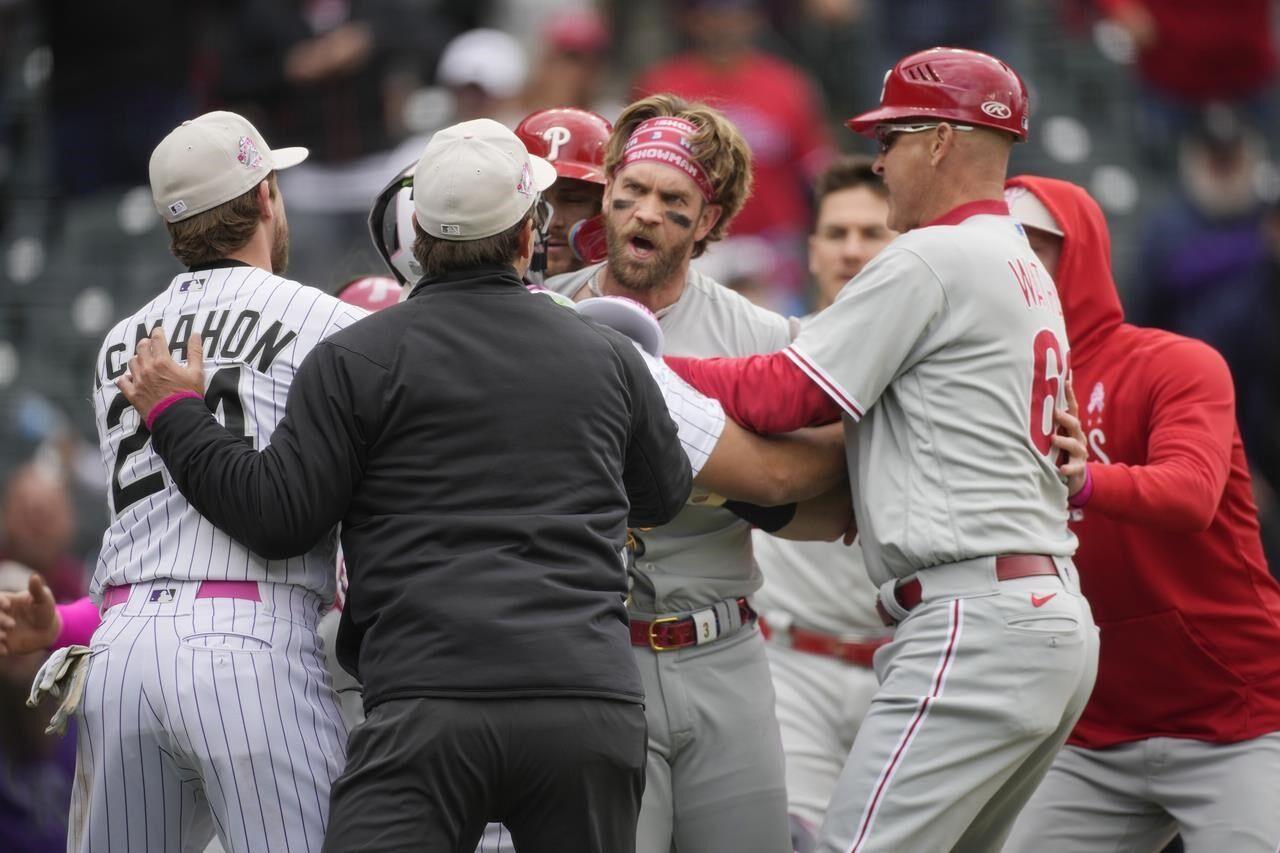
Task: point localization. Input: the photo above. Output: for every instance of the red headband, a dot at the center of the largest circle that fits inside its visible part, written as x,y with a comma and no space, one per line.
666,141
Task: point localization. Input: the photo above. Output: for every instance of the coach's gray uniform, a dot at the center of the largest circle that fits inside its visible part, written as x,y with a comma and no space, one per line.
821,699
715,777
948,352
202,712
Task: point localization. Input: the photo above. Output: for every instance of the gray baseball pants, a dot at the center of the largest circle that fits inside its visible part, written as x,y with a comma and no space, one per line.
978,690
1222,798
820,703
714,780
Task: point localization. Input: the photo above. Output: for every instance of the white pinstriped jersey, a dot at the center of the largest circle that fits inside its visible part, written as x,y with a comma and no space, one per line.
699,419
257,328
820,585
950,349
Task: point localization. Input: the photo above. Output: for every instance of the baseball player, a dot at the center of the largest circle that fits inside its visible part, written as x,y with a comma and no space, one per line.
677,173
373,466
1182,732
740,467
947,358
573,140
817,602
31,621
206,708
700,425
371,292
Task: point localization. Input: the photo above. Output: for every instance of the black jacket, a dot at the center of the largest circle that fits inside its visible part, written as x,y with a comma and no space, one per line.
483,449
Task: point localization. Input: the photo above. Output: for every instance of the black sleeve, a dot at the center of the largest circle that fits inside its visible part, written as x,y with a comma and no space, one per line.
770,519
279,502
657,474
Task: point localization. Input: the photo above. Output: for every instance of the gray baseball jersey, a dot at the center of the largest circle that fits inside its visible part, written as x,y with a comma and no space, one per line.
820,701
822,585
256,327
704,555
701,791
950,354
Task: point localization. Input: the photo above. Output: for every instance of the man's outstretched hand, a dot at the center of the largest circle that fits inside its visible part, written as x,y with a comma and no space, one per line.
1070,440
29,620
153,375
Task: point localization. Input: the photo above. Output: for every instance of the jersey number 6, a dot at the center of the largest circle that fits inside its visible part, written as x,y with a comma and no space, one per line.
223,392
1047,377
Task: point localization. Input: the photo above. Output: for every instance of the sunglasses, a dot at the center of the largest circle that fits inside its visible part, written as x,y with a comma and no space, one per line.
887,134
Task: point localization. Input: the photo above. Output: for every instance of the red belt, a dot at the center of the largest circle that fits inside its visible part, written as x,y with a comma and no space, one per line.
858,652
243,590
1008,567
678,632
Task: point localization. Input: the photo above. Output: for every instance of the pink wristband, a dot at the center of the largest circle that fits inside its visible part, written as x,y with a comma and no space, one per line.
1080,498
79,620
158,408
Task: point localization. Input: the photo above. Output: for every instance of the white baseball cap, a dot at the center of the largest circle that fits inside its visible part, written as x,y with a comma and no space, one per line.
210,160
476,179
491,59
1025,207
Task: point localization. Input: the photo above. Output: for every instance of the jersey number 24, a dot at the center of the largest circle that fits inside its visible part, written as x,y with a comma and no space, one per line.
223,392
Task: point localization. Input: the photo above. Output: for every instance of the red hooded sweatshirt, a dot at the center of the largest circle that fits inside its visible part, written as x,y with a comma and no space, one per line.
1170,556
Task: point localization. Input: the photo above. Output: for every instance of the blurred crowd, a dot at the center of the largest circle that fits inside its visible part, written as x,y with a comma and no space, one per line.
1165,109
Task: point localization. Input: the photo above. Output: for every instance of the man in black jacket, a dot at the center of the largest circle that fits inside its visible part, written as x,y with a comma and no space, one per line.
484,451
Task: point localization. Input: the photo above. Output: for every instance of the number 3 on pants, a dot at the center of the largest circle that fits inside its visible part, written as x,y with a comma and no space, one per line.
1048,373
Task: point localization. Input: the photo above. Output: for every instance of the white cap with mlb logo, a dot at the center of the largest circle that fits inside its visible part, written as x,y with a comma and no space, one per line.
476,179
210,160
1025,207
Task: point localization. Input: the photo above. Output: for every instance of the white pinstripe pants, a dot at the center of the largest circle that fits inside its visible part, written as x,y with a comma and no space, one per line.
203,716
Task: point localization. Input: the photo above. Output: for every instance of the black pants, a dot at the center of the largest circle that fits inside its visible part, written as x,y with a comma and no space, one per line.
564,774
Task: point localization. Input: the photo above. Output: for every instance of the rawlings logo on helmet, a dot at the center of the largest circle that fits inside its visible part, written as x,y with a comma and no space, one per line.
995,109
556,135
949,84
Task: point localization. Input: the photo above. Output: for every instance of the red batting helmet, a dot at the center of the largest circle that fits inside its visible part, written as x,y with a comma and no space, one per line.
573,140
371,292
951,84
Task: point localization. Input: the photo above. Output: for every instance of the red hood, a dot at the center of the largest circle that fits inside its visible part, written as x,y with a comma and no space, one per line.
1090,303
